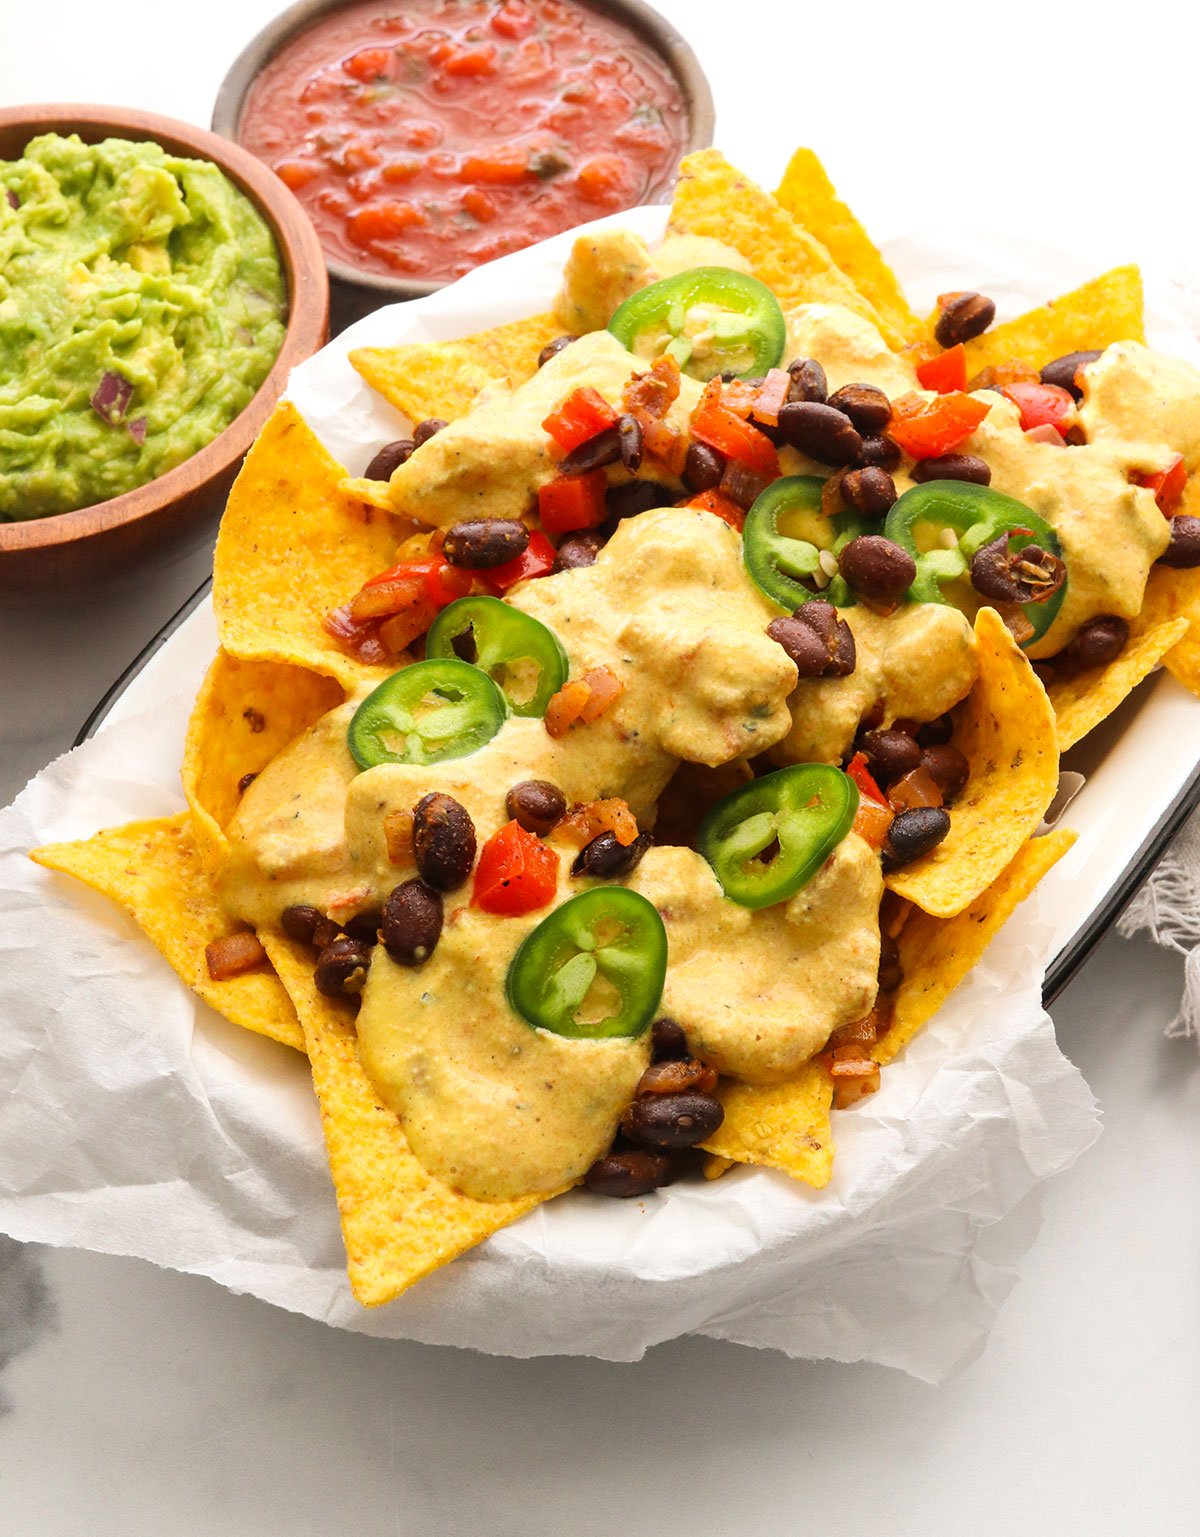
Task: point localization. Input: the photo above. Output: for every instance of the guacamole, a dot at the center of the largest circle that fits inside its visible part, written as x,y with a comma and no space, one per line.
142,304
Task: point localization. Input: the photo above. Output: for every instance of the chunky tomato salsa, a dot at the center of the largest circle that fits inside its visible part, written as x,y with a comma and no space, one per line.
427,139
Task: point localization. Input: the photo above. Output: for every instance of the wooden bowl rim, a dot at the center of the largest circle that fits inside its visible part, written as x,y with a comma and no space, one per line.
641,19
303,263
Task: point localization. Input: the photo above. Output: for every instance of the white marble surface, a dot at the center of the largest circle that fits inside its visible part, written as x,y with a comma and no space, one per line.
141,1402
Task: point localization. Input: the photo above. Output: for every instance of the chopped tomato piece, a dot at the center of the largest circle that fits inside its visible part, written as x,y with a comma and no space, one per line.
469,62
296,173
771,396
997,375
864,779
871,822
595,817
914,789
655,391
926,429
479,205
581,416
1167,485
233,954
1041,405
517,873
602,178
853,1081
399,632
944,373
514,19
604,689
565,707
434,579
739,397
506,166
571,502
537,559
368,64
713,424
665,444
720,505
383,221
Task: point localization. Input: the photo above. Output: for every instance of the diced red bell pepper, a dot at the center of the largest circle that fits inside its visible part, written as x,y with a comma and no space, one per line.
864,779
944,373
536,559
517,873
581,416
432,578
572,502
721,429
720,505
926,429
1167,485
1041,405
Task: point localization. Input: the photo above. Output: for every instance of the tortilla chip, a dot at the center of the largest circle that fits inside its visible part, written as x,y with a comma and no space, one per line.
1106,310
809,196
713,198
1006,729
782,1126
398,1222
245,714
292,546
443,378
1172,595
153,870
1083,701
937,953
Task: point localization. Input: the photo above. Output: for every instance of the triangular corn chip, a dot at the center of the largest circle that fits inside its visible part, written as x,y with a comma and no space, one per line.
1108,309
781,1126
1081,702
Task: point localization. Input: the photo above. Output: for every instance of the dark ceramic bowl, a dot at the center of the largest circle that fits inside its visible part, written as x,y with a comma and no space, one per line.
358,290
70,547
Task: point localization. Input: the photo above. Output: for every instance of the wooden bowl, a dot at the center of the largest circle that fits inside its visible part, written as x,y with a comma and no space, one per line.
356,291
64,549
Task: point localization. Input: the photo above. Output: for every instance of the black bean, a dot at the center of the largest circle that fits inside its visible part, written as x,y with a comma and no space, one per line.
245,782
881,452
412,922
932,733
629,434
808,381
604,858
342,967
579,550
634,497
948,768
1030,575
869,491
1183,552
681,1075
913,834
876,568
890,973
308,925
552,349
836,634
629,1172
890,754
1099,642
820,432
1062,371
598,451
867,407
481,543
672,1120
703,468
427,429
669,1040
802,644
443,841
963,316
388,458
742,485
968,467
537,805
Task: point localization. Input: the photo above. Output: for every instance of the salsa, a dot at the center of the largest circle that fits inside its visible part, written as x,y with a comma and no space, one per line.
428,140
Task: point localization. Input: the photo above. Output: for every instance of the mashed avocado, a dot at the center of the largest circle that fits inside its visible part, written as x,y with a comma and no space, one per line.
141,306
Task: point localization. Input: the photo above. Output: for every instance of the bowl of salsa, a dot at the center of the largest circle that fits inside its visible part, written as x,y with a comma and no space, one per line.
426,137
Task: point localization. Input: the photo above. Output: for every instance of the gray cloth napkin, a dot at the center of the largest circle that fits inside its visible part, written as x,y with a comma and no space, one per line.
1168,909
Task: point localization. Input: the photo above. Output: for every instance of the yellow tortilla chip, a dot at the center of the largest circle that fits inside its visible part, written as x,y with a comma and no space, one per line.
937,953
1108,309
153,870
713,198
398,1222
245,713
1006,729
292,546
1172,595
809,196
781,1126
443,378
1083,701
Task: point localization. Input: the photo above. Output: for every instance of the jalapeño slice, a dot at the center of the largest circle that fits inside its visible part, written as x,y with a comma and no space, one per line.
426,713
516,651
593,969
711,320
777,560
977,515
770,837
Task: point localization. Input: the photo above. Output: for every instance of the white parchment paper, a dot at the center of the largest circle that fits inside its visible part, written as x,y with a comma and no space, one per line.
135,1121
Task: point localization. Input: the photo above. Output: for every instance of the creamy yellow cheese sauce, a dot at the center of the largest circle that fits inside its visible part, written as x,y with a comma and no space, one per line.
491,1105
